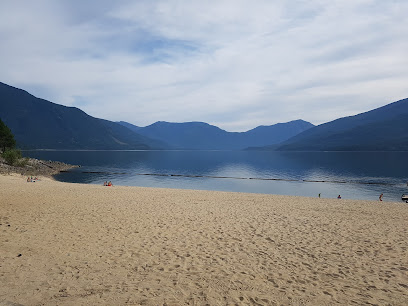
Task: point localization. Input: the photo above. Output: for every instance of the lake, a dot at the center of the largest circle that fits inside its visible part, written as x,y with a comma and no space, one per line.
353,175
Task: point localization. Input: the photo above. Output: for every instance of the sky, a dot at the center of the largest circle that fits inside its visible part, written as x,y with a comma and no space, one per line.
236,64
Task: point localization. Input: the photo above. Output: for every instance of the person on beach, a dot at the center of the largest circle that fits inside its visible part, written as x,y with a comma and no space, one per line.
319,195
105,183
339,197
381,196
110,183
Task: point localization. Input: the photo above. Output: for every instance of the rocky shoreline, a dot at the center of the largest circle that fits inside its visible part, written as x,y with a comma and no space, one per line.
36,167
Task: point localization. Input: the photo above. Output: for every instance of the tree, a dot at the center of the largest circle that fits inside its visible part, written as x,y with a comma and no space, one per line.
12,157
7,140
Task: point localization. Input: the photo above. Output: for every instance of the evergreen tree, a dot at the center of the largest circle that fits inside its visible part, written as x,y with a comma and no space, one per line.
7,140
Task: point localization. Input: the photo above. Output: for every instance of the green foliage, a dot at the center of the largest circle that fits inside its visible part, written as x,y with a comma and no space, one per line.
12,156
6,137
22,162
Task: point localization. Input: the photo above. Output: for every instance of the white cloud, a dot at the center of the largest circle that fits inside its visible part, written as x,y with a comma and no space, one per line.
235,64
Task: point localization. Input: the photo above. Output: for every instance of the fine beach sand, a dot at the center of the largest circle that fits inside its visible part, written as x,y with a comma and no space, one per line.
73,244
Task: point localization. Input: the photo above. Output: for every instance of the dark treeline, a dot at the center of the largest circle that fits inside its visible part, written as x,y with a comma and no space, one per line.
8,146
7,140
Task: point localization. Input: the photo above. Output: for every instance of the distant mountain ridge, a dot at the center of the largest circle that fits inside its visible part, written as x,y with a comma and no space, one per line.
201,136
382,129
40,124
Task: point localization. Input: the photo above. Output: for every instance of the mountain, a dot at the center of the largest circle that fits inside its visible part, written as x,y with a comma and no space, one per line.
202,136
276,133
41,124
381,129
130,126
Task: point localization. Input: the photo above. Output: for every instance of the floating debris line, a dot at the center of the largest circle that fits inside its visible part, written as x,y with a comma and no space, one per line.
240,178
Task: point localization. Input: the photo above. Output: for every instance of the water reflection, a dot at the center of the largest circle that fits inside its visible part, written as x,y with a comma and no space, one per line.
387,169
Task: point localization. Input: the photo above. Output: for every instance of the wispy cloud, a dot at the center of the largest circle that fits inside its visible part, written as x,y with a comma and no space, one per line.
235,64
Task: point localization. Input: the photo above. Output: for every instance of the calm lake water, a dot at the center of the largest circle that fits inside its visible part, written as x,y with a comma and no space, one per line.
353,175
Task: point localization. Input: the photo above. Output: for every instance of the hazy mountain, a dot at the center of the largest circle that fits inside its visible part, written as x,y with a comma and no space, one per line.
130,126
277,133
384,128
40,124
200,135
37,123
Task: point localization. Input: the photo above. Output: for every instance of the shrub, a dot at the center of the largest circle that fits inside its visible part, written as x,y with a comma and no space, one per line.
12,156
22,162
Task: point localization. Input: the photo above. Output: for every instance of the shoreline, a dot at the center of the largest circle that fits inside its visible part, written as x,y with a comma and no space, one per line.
36,167
85,244
387,199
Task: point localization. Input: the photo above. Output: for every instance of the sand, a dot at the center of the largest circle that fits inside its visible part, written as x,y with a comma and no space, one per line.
73,244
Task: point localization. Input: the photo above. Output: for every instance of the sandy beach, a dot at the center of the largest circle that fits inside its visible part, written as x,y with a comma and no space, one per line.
73,244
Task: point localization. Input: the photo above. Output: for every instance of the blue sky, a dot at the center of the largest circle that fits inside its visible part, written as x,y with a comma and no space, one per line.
234,64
